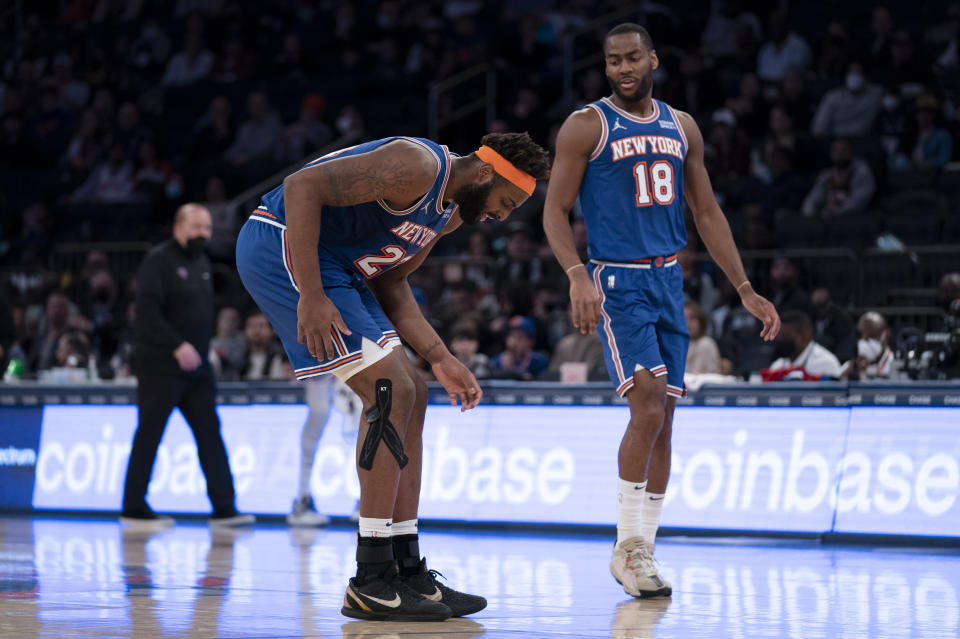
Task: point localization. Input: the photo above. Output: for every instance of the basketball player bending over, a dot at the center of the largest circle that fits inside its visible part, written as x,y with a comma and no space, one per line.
326,258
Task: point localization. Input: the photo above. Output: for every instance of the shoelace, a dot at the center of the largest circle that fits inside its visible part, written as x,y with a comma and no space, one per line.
639,558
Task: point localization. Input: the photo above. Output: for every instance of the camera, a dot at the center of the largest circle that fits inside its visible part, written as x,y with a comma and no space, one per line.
933,355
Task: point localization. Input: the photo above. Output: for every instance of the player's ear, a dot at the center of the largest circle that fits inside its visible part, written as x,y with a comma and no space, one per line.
654,60
485,173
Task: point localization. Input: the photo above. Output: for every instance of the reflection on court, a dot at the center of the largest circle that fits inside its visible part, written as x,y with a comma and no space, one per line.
77,578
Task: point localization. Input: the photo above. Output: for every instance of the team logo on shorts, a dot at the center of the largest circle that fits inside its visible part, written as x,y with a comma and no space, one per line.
611,280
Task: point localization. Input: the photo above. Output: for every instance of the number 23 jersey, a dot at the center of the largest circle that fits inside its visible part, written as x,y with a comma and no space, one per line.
632,189
370,238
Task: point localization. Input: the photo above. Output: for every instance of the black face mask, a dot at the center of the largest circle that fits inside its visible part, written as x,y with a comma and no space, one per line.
195,246
101,295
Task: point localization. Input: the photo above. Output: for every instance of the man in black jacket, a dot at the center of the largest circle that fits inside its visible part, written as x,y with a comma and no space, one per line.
174,309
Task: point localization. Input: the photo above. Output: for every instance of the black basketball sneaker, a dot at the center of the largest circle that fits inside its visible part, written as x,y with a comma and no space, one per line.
387,598
425,583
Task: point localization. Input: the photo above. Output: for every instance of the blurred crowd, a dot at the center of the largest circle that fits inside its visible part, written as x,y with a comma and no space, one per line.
826,125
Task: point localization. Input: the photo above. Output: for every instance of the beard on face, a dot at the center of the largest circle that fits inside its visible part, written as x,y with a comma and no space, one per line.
472,198
644,84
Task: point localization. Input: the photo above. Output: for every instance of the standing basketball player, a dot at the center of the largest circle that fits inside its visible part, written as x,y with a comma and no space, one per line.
326,258
634,161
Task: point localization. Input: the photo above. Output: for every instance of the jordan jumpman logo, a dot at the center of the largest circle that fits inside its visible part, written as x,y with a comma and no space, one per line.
617,125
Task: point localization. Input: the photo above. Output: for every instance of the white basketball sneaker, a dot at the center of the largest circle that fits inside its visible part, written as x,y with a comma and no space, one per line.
633,567
305,513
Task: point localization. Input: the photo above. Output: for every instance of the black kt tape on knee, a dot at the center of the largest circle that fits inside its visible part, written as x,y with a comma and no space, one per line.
378,416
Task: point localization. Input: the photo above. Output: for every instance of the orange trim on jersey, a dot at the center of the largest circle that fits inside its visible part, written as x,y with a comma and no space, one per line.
264,213
326,368
289,258
520,179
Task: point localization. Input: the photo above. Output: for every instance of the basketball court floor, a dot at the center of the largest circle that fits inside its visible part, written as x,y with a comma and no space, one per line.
71,577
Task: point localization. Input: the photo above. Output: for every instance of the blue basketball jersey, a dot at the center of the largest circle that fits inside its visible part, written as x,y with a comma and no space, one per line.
632,190
371,238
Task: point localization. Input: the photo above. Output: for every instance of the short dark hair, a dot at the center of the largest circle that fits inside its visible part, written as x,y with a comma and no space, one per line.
797,319
521,151
631,27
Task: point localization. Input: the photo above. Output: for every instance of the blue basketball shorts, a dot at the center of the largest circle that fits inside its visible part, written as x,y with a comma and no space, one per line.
263,261
642,324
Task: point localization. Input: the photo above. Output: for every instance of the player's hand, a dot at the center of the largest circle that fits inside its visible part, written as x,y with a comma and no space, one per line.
459,382
187,357
761,308
584,301
317,317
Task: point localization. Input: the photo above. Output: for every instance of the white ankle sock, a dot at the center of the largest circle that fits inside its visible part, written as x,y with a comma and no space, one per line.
630,500
650,516
373,527
408,527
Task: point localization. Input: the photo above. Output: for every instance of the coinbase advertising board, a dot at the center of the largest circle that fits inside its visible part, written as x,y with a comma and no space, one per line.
883,470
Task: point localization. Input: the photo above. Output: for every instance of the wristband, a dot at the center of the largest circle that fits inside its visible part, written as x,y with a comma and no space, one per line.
744,283
573,267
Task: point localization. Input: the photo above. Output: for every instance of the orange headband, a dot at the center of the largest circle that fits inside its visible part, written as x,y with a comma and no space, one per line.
520,179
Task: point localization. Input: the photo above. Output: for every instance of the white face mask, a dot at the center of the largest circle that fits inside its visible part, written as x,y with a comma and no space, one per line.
870,349
855,81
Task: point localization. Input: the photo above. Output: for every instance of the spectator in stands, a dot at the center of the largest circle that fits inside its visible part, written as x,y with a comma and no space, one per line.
782,134
121,363
784,49
698,286
102,312
583,351
87,147
49,128
908,72
795,100
930,147
228,348
152,173
349,121
833,326
799,357
307,134
129,130
786,293
520,263
73,92
214,132
726,152
703,355
948,294
264,358
464,344
833,53
519,360
223,241
192,64
110,181
749,108
56,322
844,188
257,134
73,350
879,48
875,359
850,110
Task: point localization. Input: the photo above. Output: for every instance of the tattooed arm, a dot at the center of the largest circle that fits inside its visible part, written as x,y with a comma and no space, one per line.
399,173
